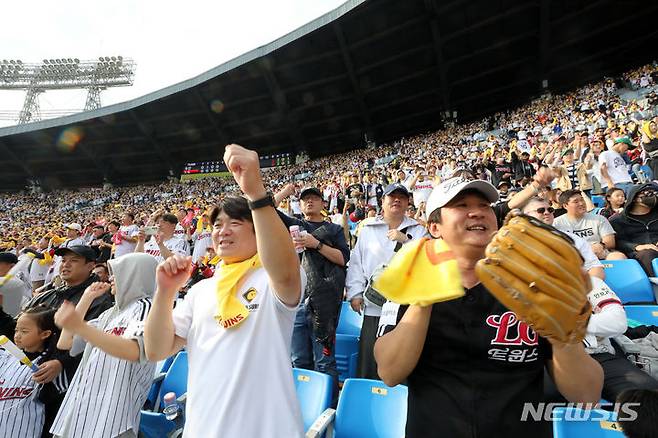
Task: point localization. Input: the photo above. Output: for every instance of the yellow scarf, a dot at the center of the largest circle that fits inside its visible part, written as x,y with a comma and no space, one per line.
647,131
423,272
230,311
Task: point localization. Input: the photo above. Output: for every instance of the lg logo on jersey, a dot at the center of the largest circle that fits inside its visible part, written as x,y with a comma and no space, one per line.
511,331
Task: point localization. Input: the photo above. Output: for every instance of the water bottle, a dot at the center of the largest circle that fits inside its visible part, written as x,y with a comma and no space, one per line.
171,408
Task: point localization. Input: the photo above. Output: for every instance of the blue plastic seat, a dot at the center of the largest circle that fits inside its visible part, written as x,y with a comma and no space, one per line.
647,171
647,315
629,281
654,266
314,393
160,371
369,408
347,341
155,424
577,423
349,322
598,200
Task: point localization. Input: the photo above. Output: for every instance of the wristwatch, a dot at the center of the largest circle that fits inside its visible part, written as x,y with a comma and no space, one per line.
266,201
319,247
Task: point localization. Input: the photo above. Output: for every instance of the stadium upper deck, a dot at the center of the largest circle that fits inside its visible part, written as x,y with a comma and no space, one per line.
384,68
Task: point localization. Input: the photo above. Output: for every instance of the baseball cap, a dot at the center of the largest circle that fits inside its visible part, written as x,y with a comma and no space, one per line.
450,188
74,226
396,188
567,151
8,257
82,250
310,190
624,140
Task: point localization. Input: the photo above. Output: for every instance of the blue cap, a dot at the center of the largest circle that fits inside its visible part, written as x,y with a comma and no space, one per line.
397,187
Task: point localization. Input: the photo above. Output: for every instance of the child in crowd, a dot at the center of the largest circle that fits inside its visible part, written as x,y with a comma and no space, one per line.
27,409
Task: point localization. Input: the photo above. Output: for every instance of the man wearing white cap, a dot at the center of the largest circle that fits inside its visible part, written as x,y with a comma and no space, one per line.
470,359
73,238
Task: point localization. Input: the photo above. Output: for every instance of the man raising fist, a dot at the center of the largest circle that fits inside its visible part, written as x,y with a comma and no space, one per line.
237,325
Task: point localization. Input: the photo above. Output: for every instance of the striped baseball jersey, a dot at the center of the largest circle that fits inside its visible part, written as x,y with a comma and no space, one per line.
107,393
22,413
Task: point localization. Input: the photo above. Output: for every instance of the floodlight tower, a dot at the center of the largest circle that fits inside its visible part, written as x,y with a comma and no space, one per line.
63,74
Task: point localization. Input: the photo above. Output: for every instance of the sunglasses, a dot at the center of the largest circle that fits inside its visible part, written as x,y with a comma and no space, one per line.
542,210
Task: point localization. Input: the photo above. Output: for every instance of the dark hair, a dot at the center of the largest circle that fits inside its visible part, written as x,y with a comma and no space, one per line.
645,404
568,194
131,215
235,207
171,218
608,194
115,223
102,265
99,227
44,317
434,217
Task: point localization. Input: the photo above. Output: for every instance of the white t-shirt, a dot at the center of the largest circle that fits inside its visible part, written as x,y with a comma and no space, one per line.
175,244
591,227
38,270
422,190
589,258
616,167
201,242
243,372
126,247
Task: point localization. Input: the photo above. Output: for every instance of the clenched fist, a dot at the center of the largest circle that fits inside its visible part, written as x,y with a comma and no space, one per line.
172,274
245,167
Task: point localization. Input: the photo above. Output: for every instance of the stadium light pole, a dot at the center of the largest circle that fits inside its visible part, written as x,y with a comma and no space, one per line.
64,74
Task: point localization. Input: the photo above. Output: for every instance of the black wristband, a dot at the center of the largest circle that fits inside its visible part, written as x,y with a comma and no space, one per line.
319,247
267,201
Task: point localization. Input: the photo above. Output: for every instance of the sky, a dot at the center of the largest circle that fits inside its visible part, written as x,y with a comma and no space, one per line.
169,41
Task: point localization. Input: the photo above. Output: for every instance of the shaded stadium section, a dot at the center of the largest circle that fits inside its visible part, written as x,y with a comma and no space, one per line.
379,68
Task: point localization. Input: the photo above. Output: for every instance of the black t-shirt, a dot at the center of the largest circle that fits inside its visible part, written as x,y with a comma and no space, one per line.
337,236
478,367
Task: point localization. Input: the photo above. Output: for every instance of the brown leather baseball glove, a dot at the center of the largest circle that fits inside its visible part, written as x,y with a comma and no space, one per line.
536,272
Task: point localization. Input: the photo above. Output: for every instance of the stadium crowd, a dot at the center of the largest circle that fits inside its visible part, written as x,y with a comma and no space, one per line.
88,260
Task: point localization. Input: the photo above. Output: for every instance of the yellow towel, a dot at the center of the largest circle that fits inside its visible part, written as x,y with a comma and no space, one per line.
423,272
230,311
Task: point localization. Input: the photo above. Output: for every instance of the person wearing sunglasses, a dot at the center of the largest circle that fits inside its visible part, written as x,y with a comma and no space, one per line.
608,320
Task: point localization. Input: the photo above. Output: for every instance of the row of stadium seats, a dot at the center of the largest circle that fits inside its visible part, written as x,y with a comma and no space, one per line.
387,406
626,277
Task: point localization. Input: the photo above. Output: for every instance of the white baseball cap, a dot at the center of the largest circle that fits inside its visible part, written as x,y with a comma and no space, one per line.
74,226
448,189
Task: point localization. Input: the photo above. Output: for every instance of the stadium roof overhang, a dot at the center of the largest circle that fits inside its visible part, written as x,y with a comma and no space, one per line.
381,68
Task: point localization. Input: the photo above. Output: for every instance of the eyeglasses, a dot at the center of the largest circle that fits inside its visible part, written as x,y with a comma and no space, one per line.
542,210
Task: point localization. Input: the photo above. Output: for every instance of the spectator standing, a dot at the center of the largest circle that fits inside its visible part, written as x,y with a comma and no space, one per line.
164,243
378,241
324,258
102,242
125,239
614,169
113,356
240,320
